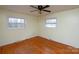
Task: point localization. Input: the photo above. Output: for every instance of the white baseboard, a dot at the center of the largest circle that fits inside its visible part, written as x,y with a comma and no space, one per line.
6,43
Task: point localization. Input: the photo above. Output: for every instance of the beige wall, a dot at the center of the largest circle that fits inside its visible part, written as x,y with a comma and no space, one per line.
67,30
12,35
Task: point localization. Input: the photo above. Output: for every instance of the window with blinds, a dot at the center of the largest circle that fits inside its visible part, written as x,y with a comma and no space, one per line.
51,22
15,22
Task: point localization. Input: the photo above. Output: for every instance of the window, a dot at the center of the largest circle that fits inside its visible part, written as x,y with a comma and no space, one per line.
51,22
15,22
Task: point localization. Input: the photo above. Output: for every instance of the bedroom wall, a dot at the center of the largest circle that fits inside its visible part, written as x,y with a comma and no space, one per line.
12,35
1,26
67,30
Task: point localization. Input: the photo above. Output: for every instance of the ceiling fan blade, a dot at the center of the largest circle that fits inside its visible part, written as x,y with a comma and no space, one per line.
34,10
46,6
47,10
33,7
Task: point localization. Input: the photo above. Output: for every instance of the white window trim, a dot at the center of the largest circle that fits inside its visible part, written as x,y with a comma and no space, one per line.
15,27
46,24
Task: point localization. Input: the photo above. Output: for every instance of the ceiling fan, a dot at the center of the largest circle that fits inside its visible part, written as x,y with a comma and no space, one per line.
40,8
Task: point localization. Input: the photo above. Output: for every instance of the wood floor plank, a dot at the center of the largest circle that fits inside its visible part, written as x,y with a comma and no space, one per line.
38,45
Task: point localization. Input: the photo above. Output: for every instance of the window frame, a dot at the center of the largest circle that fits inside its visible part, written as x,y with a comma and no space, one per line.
18,27
46,23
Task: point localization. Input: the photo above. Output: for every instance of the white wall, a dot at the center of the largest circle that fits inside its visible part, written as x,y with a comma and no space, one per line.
67,30
1,28
12,35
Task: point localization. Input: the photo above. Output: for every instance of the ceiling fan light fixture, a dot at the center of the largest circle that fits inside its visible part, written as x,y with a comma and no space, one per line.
41,8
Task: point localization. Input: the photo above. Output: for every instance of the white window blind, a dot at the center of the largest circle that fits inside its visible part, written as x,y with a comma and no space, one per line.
15,22
51,22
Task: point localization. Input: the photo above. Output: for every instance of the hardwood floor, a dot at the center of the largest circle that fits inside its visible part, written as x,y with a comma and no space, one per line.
0,50
38,45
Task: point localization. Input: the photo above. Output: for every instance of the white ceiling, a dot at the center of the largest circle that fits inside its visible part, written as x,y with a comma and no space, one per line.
27,9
